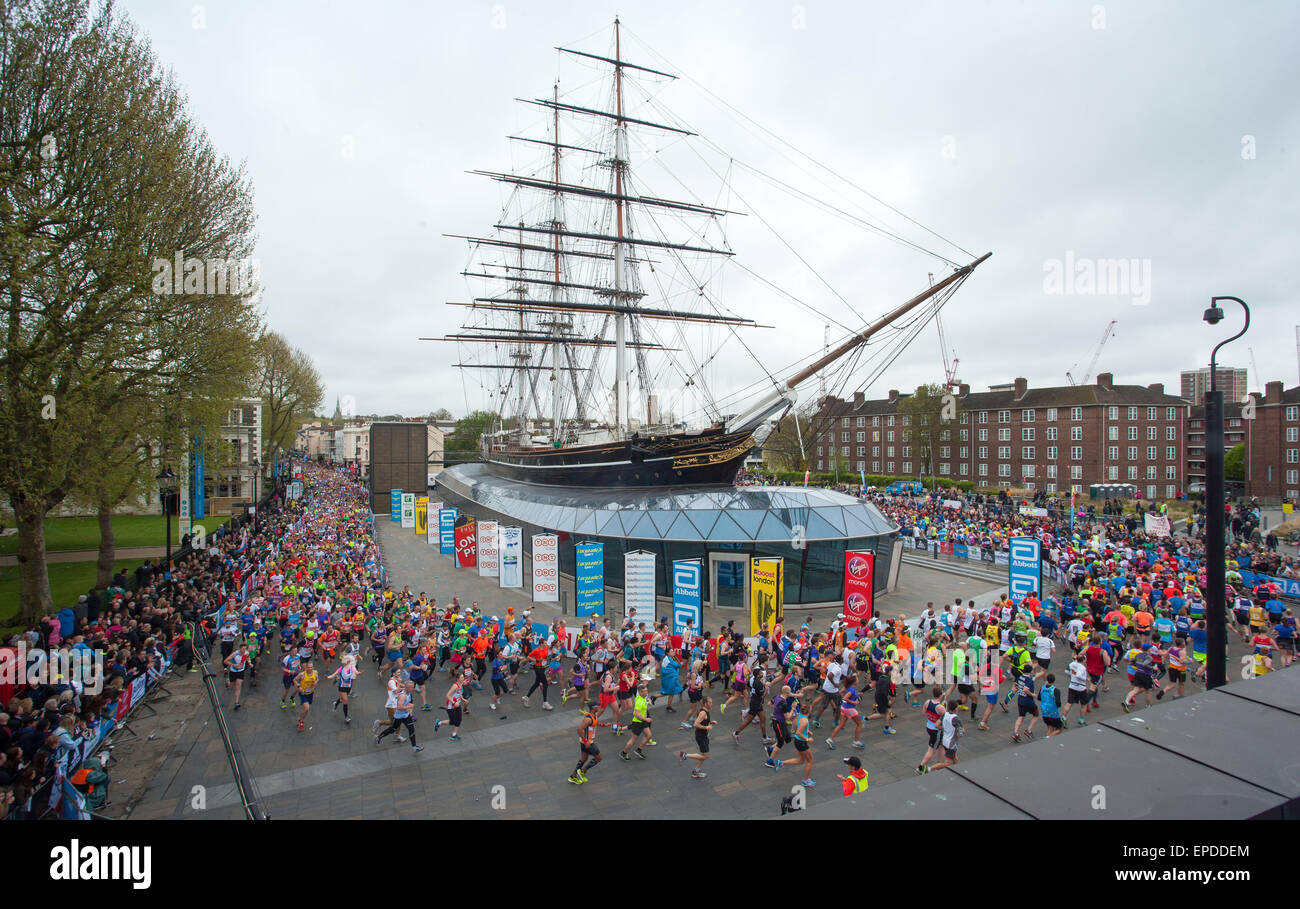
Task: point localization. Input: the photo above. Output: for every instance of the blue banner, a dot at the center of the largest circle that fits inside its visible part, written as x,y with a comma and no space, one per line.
198,483
960,551
395,504
589,579
1026,567
447,531
687,594
1287,587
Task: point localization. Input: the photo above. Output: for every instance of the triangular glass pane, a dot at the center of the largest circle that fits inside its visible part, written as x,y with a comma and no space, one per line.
587,524
818,528
683,529
748,518
663,519
728,530
607,524
703,519
774,527
832,516
855,525
643,529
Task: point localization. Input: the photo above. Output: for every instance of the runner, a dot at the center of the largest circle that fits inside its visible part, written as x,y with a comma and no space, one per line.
404,715
1049,700
347,675
951,730
236,665
802,734
454,705
702,726
540,655
640,727
305,683
589,753
934,710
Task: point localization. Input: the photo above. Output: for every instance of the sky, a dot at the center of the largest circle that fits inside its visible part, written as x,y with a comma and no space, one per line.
1057,135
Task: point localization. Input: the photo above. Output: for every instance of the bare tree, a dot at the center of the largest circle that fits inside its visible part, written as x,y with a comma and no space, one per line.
290,388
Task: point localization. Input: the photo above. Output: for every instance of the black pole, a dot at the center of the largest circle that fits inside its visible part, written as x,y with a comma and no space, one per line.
1216,636
1216,632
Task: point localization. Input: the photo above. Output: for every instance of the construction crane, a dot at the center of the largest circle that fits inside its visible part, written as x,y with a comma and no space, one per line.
1105,336
1254,370
949,367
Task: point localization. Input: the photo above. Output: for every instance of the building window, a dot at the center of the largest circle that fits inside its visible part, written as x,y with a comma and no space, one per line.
862,450
1027,415
1076,453
1112,453
875,436
1027,434
1132,413
964,435
907,467
875,453
1132,452
1051,415
845,451
1112,473
1028,470
889,452
1132,433
1004,452
862,421
1051,452
1151,471
1004,470
889,435
1076,473
875,467
1171,452
1004,435
965,418
875,421
944,470
1076,433
889,420
1051,471
945,452
907,451
984,470
1293,455
1293,412
862,467
1152,433
1004,416
862,437
984,416
844,437
1051,433
1171,413
907,420
1132,473
1171,491
1027,453
1151,452
1151,413
1113,433
820,452
821,465
965,452
1076,413
889,466
844,422
983,453
1293,476
1292,433
984,435
1171,472
1151,491
1171,433
1112,413
963,469
1051,487
945,435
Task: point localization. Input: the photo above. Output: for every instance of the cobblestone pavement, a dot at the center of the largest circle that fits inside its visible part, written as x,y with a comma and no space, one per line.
514,763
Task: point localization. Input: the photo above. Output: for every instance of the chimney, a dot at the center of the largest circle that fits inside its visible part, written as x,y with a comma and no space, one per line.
1022,386
893,395
963,390
858,398
1273,393
1157,387
1105,379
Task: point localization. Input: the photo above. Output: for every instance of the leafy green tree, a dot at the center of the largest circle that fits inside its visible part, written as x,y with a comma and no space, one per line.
463,445
930,420
1234,462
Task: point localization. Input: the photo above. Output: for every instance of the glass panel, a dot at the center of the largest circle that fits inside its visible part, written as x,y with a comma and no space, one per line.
775,528
663,519
832,516
643,529
818,528
703,519
607,523
588,523
854,524
727,529
683,529
729,584
748,519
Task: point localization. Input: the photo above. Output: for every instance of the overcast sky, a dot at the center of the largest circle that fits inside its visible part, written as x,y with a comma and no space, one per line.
1165,133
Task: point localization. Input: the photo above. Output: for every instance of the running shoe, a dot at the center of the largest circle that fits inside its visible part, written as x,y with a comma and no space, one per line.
564,699
1082,721
770,763
1015,737
768,749
921,770
723,712
1125,706
830,743
437,724
582,775
426,707
417,748
624,755
524,699
859,744
336,706
817,723
685,725
546,705
769,741
348,720
735,737
698,774
650,742
890,730
681,756
779,764
670,709
300,726
808,783
454,737
376,740
640,754
575,781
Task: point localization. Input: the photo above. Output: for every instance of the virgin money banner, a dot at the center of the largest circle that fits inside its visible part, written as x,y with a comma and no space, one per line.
510,543
466,542
546,568
487,549
859,590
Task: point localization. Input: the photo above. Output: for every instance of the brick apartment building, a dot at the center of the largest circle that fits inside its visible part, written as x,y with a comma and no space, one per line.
1272,441
1015,436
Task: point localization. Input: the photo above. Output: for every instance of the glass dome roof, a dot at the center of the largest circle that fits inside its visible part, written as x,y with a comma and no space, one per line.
716,514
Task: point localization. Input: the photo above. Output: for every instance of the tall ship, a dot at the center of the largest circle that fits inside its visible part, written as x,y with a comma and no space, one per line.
575,268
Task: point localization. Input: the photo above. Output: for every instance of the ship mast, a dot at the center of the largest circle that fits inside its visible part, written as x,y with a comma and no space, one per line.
619,162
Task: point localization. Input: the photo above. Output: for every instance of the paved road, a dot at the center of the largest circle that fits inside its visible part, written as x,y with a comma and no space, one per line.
335,770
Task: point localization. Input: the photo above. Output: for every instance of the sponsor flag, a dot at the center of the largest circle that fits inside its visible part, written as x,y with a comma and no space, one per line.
687,594
447,531
487,549
466,542
639,585
859,586
510,546
422,516
589,579
546,568
766,588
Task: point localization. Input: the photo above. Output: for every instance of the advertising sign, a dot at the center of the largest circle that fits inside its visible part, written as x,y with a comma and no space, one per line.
408,510
687,595
487,549
447,531
394,501
1026,567
639,585
422,516
199,506
510,544
859,586
766,590
546,568
466,542
434,532
589,579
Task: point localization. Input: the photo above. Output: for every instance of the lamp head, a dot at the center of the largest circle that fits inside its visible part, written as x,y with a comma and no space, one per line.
1213,315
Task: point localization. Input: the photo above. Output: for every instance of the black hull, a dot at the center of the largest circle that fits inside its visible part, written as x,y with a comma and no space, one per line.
711,458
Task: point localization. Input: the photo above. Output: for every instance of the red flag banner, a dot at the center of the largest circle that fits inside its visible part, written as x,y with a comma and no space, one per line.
466,545
859,571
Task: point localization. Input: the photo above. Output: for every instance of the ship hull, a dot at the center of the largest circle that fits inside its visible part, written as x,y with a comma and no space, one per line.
710,458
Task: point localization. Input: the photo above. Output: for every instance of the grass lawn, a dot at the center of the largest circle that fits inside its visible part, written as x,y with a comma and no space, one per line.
62,534
68,580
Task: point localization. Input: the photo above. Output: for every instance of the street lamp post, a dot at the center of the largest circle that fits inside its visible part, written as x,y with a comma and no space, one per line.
1216,638
167,480
257,469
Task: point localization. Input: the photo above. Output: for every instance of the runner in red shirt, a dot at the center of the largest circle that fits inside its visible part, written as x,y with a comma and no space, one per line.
539,656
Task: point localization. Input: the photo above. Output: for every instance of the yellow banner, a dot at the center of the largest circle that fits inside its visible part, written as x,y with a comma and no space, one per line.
766,593
422,516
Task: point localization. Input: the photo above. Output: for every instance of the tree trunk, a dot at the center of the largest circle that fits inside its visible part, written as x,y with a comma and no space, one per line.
33,580
107,549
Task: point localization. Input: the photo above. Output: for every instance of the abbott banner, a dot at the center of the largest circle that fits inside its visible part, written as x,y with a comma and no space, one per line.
432,530
447,531
687,594
1025,574
639,586
422,516
766,593
859,586
487,549
546,568
408,510
466,542
511,546
589,579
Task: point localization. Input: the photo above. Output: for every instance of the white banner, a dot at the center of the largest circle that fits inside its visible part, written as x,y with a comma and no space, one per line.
408,510
952,503
487,549
1157,524
546,568
1033,512
434,508
510,543
639,586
